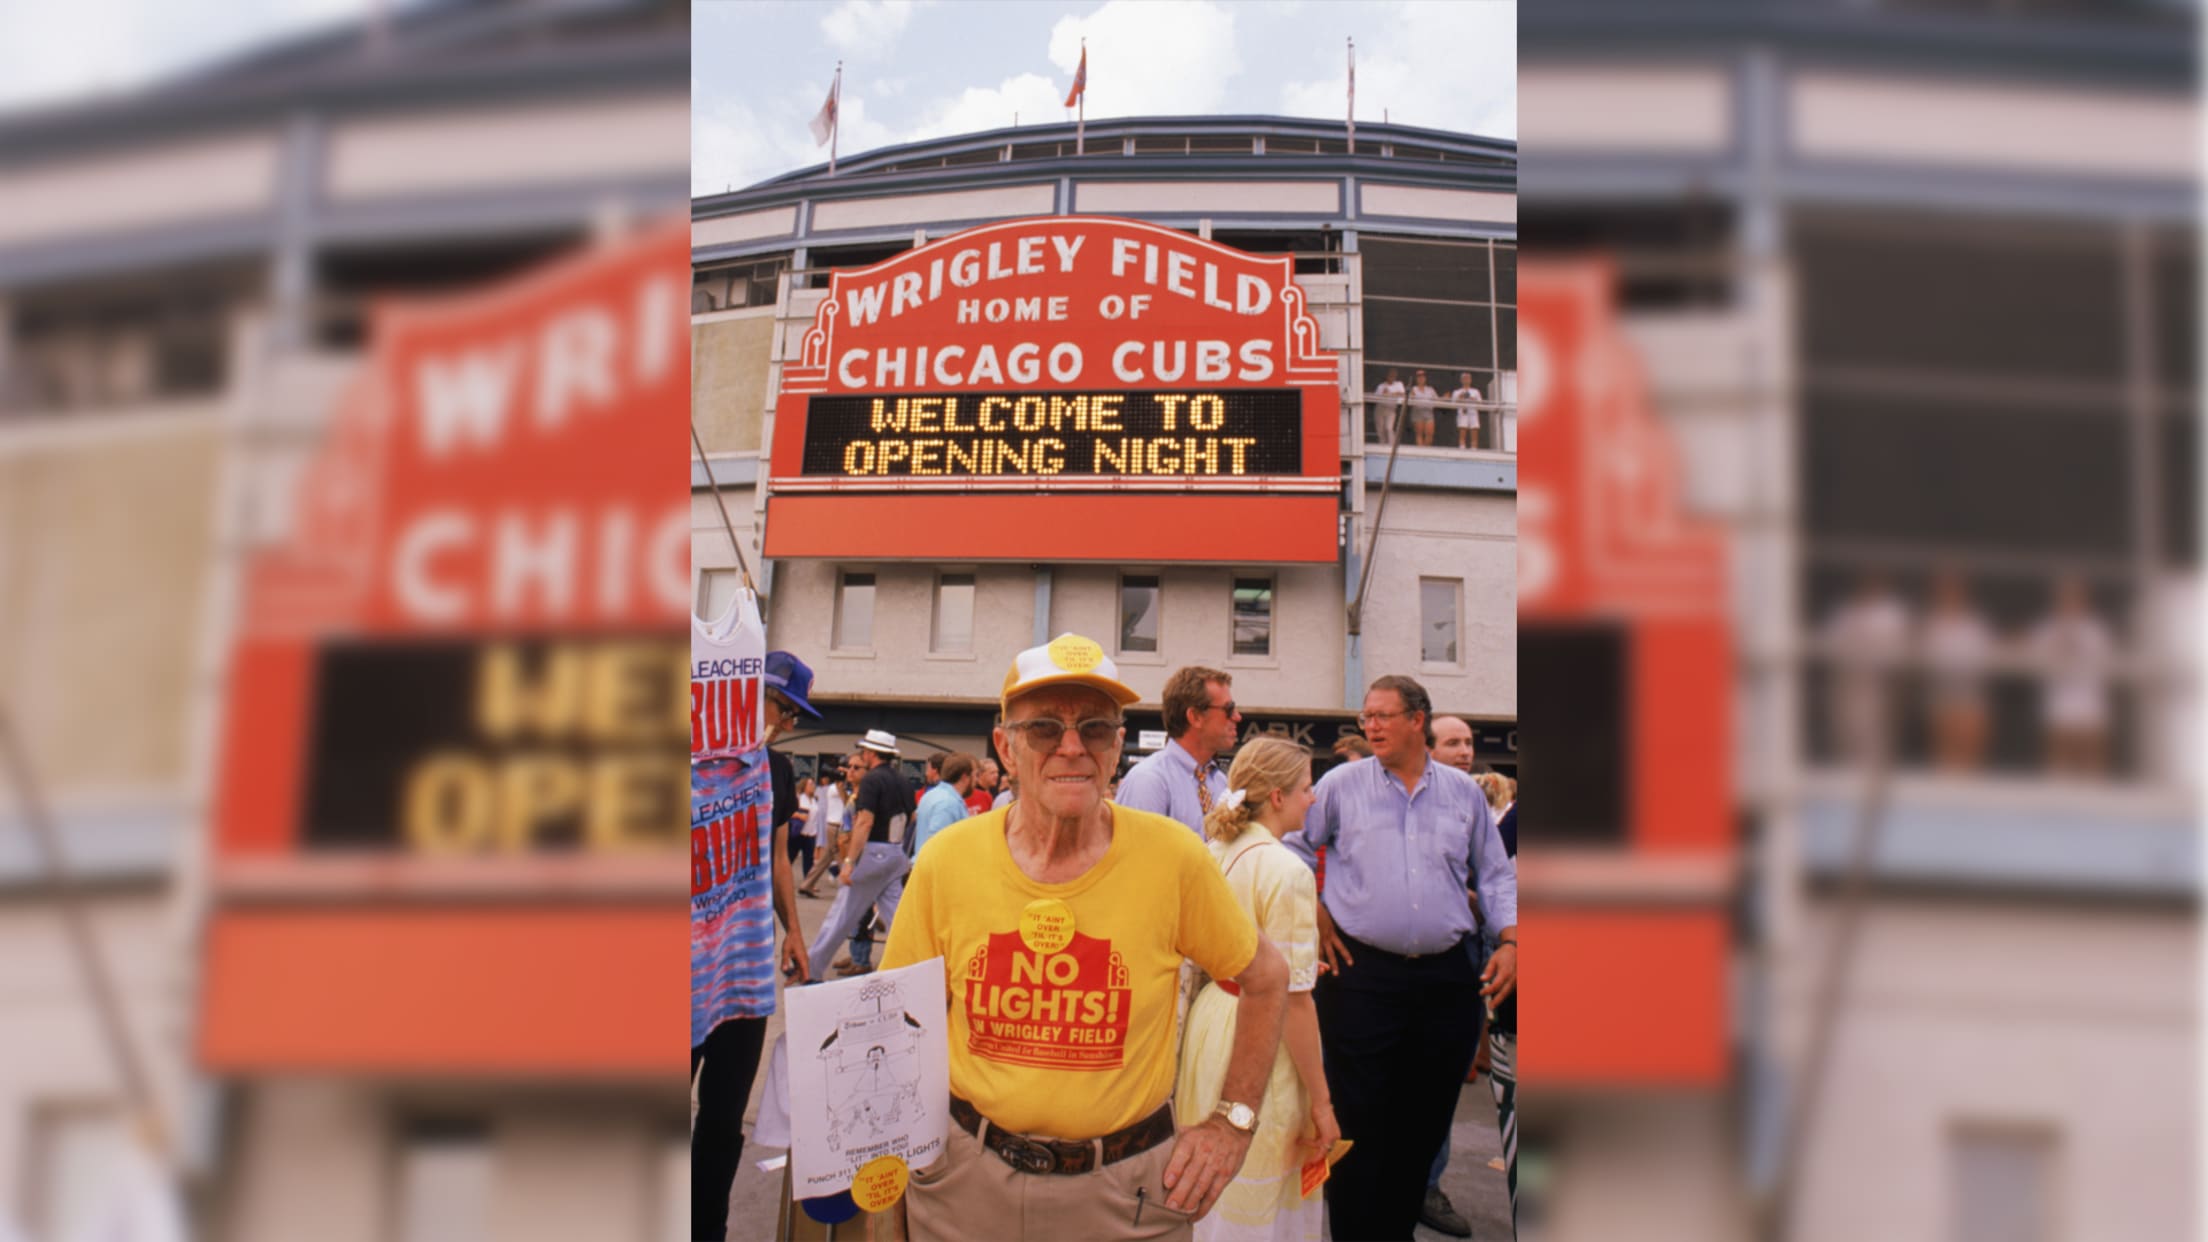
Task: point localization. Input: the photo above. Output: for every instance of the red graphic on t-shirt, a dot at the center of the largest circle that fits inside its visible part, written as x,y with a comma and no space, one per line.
1063,1010
724,715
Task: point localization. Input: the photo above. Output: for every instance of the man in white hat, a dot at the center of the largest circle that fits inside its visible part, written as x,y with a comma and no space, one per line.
1063,921
874,865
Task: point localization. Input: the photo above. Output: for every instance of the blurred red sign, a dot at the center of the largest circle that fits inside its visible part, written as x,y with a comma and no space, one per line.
1003,386
1601,530
1632,990
459,690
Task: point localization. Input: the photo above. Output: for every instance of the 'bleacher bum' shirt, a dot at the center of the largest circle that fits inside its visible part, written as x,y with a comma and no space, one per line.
727,680
731,892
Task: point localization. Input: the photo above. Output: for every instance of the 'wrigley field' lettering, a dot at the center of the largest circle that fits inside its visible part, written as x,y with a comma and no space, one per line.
1228,433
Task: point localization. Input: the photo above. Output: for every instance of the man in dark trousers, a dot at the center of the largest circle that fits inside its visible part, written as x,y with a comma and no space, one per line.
1399,1014
874,861
726,1060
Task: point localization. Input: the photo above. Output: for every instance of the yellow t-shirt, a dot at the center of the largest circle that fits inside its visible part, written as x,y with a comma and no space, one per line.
1076,1042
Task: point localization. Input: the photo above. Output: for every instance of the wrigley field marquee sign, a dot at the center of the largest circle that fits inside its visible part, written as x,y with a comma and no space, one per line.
994,386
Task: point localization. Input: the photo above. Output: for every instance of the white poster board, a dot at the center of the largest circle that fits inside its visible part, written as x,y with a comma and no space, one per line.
870,1074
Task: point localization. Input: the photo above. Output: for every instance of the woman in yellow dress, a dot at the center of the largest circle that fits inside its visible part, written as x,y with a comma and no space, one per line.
1269,789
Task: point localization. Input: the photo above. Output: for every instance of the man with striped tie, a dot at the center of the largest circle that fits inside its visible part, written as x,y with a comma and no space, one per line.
1184,780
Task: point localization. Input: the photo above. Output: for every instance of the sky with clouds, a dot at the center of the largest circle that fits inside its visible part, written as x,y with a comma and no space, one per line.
918,69
913,69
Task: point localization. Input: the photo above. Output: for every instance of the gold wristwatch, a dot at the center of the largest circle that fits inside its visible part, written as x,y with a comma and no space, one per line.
1241,1116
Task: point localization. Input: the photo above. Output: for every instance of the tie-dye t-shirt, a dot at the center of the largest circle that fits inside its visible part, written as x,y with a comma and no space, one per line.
731,892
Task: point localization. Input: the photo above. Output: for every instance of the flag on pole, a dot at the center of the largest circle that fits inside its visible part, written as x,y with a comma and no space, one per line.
1080,78
824,121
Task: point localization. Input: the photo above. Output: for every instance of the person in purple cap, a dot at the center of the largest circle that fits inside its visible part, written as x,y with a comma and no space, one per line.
742,999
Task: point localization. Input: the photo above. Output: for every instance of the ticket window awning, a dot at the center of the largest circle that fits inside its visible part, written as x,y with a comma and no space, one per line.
499,990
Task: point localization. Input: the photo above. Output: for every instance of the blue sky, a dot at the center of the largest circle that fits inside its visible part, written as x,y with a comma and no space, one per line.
923,68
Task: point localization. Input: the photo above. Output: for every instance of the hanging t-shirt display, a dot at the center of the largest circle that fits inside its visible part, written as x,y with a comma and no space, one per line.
731,828
727,658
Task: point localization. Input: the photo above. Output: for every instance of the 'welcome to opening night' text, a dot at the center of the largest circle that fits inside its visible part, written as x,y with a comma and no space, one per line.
1226,433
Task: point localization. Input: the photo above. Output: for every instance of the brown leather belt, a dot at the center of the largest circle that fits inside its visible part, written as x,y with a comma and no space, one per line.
1064,1157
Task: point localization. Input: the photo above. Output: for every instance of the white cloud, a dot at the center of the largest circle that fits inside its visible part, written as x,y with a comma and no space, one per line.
1150,58
1447,66
865,27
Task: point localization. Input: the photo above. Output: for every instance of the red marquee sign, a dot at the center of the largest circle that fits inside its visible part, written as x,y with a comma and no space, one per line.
1152,395
1632,989
450,800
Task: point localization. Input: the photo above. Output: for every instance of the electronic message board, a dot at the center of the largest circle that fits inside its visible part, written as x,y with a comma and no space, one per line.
1190,435
999,388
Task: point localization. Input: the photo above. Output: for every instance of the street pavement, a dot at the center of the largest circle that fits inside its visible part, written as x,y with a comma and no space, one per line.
1479,1192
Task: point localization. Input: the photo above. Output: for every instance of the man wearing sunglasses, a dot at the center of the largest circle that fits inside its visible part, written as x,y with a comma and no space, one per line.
1184,780
1063,921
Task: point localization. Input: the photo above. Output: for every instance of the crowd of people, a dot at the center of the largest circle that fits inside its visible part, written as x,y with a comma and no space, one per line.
1244,965
1425,417
1880,650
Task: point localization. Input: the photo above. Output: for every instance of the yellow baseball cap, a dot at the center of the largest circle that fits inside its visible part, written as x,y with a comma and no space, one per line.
1068,659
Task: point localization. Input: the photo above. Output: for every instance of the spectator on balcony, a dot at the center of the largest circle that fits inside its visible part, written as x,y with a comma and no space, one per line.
1423,397
1388,409
1868,638
1468,418
2073,649
1957,643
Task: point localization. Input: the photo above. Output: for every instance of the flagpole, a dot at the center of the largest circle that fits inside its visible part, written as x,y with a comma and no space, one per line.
835,120
1081,117
1353,95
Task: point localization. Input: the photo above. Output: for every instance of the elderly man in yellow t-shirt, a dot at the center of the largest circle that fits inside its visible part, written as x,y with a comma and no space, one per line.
1063,920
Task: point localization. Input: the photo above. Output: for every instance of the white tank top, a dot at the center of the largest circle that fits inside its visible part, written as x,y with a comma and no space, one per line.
727,680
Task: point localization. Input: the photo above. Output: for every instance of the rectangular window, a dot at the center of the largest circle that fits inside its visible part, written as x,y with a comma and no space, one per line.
444,1182
1437,619
716,589
954,614
1253,616
854,612
1139,599
2002,1181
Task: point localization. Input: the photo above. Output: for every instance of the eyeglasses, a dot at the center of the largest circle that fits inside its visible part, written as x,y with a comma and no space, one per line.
1044,733
1366,718
1224,709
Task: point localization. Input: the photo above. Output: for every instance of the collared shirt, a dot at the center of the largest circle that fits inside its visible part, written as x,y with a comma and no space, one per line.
939,809
1165,784
1398,861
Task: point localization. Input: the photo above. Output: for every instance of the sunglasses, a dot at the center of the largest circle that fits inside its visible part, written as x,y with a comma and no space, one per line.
1044,733
1224,709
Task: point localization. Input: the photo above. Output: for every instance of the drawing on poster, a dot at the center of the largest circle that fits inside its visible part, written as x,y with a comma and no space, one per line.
869,1074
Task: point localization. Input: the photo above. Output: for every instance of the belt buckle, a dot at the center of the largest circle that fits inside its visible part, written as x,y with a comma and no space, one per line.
1026,1155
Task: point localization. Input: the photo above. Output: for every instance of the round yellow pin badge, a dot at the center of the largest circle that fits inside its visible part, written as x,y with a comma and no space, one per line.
1075,654
879,1183
1046,925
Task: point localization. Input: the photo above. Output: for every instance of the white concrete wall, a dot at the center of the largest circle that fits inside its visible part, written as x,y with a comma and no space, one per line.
321,1158
2082,1021
57,1056
1472,537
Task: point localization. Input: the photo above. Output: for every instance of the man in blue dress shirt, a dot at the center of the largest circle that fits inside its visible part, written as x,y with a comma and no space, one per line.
1184,780
1399,1013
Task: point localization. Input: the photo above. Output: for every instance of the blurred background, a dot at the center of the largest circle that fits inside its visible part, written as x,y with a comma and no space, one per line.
1909,291
210,1028
1912,291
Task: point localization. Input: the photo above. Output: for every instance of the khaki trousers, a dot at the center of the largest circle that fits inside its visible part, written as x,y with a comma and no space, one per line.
970,1193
